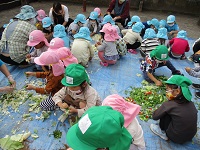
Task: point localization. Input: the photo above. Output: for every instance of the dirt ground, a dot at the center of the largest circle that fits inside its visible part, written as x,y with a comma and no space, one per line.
185,22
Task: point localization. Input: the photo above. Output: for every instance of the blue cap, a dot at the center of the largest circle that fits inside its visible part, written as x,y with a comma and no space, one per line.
108,19
46,22
154,22
171,19
81,18
162,33
93,15
149,33
83,33
182,34
137,27
134,19
59,31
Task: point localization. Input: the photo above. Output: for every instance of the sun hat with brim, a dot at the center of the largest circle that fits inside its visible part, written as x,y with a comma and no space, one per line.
160,53
162,23
51,58
99,127
128,110
41,15
66,56
35,37
149,33
59,31
56,43
137,27
93,15
182,35
111,34
46,22
154,22
80,18
134,19
83,33
75,74
162,33
108,19
171,19
183,82
26,12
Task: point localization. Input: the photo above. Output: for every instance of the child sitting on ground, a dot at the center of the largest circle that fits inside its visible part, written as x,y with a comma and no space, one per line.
47,25
77,95
40,15
129,111
149,43
162,36
55,44
134,19
132,37
179,45
107,51
157,58
40,44
53,72
172,26
195,72
59,32
178,115
92,23
85,52
100,16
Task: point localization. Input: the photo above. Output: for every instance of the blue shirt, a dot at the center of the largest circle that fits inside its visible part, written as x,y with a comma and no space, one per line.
1,63
175,27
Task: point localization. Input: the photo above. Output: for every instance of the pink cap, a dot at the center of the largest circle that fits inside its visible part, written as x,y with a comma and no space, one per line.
51,58
66,56
35,37
110,32
56,43
98,10
128,110
40,15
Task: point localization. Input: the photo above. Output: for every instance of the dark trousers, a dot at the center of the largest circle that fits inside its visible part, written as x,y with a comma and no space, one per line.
133,46
164,122
8,60
196,47
123,21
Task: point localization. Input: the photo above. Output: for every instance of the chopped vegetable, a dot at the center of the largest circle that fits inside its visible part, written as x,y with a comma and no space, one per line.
57,134
34,136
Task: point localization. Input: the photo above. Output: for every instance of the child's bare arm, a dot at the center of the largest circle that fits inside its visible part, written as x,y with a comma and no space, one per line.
151,76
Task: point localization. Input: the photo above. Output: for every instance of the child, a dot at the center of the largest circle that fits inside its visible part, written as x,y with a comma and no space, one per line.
162,36
54,72
47,25
134,20
149,43
77,95
55,44
153,23
132,37
76,25
178,115
172,26
179,45
107,51
93,24
40,15
195,72
38,40
66,56
100,16
129,111
85,52
101,124
59,32
158,58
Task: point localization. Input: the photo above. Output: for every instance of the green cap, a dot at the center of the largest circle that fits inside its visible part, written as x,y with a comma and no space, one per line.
183,82
99,127
75,74
160,53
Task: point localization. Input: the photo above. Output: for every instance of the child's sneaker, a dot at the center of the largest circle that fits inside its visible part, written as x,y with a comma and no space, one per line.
156,130
103,64
196,86
197,94
132,51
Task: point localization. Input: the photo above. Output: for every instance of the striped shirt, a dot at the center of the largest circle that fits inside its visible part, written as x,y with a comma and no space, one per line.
149,44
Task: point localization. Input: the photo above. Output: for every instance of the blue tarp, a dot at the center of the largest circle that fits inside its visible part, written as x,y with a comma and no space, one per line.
106,80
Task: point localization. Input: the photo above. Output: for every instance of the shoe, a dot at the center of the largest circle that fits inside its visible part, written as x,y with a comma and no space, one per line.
197,94
190,58
196,86
183,57
132,51
156,130
103,64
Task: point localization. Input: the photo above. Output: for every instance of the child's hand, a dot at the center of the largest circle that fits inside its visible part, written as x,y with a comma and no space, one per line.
64,106
30,74
158,83
72,110
28,56
187,69
30,87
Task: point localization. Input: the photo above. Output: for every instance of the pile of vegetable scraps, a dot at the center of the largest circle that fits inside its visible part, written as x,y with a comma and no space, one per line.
149,97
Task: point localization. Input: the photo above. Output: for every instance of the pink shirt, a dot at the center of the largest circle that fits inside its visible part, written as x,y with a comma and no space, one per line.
179,46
